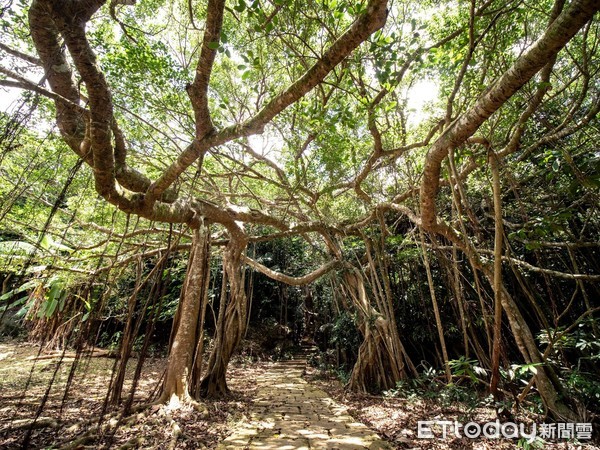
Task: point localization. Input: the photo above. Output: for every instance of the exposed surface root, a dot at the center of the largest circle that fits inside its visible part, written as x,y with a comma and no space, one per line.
149,426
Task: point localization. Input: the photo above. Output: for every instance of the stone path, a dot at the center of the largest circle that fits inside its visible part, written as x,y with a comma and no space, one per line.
289,413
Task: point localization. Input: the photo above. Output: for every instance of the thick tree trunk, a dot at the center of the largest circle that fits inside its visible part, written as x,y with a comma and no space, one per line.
231,322
380,363
179,366
381,356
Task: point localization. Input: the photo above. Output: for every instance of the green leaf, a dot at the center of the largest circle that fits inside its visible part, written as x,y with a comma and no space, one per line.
22,288
55,291
240,7
16,247
46,242
51,307
532,369
213,45
62,301
22,311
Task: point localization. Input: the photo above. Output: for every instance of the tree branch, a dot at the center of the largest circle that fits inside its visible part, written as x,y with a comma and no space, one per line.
292,281
198,90
558,34
373,19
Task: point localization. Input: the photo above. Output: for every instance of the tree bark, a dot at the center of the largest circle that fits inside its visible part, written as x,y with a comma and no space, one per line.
558,34
497,285
231,322
380,363
292,281
176,387
127,342
528,347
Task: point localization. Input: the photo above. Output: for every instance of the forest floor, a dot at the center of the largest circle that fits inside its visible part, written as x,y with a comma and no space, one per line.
395,416
72,422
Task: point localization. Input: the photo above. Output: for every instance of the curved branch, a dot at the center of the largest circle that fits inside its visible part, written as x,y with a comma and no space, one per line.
20,55
292,281
558,34
198,90
373,19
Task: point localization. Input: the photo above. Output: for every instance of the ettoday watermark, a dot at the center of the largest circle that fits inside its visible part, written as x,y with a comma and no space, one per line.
442,429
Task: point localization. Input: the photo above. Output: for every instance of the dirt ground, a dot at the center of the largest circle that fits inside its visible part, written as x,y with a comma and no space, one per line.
71,421
395,418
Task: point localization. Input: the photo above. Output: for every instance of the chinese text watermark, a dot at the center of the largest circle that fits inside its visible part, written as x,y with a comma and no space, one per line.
441,429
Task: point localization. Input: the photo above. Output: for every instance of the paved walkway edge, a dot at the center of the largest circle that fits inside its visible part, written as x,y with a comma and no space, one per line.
288,413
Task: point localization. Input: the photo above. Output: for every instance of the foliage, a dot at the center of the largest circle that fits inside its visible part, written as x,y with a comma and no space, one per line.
344,161
430,386
526,445
470,368
580,378
344,334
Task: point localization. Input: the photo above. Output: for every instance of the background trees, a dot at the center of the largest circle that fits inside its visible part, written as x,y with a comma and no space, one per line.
256,121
